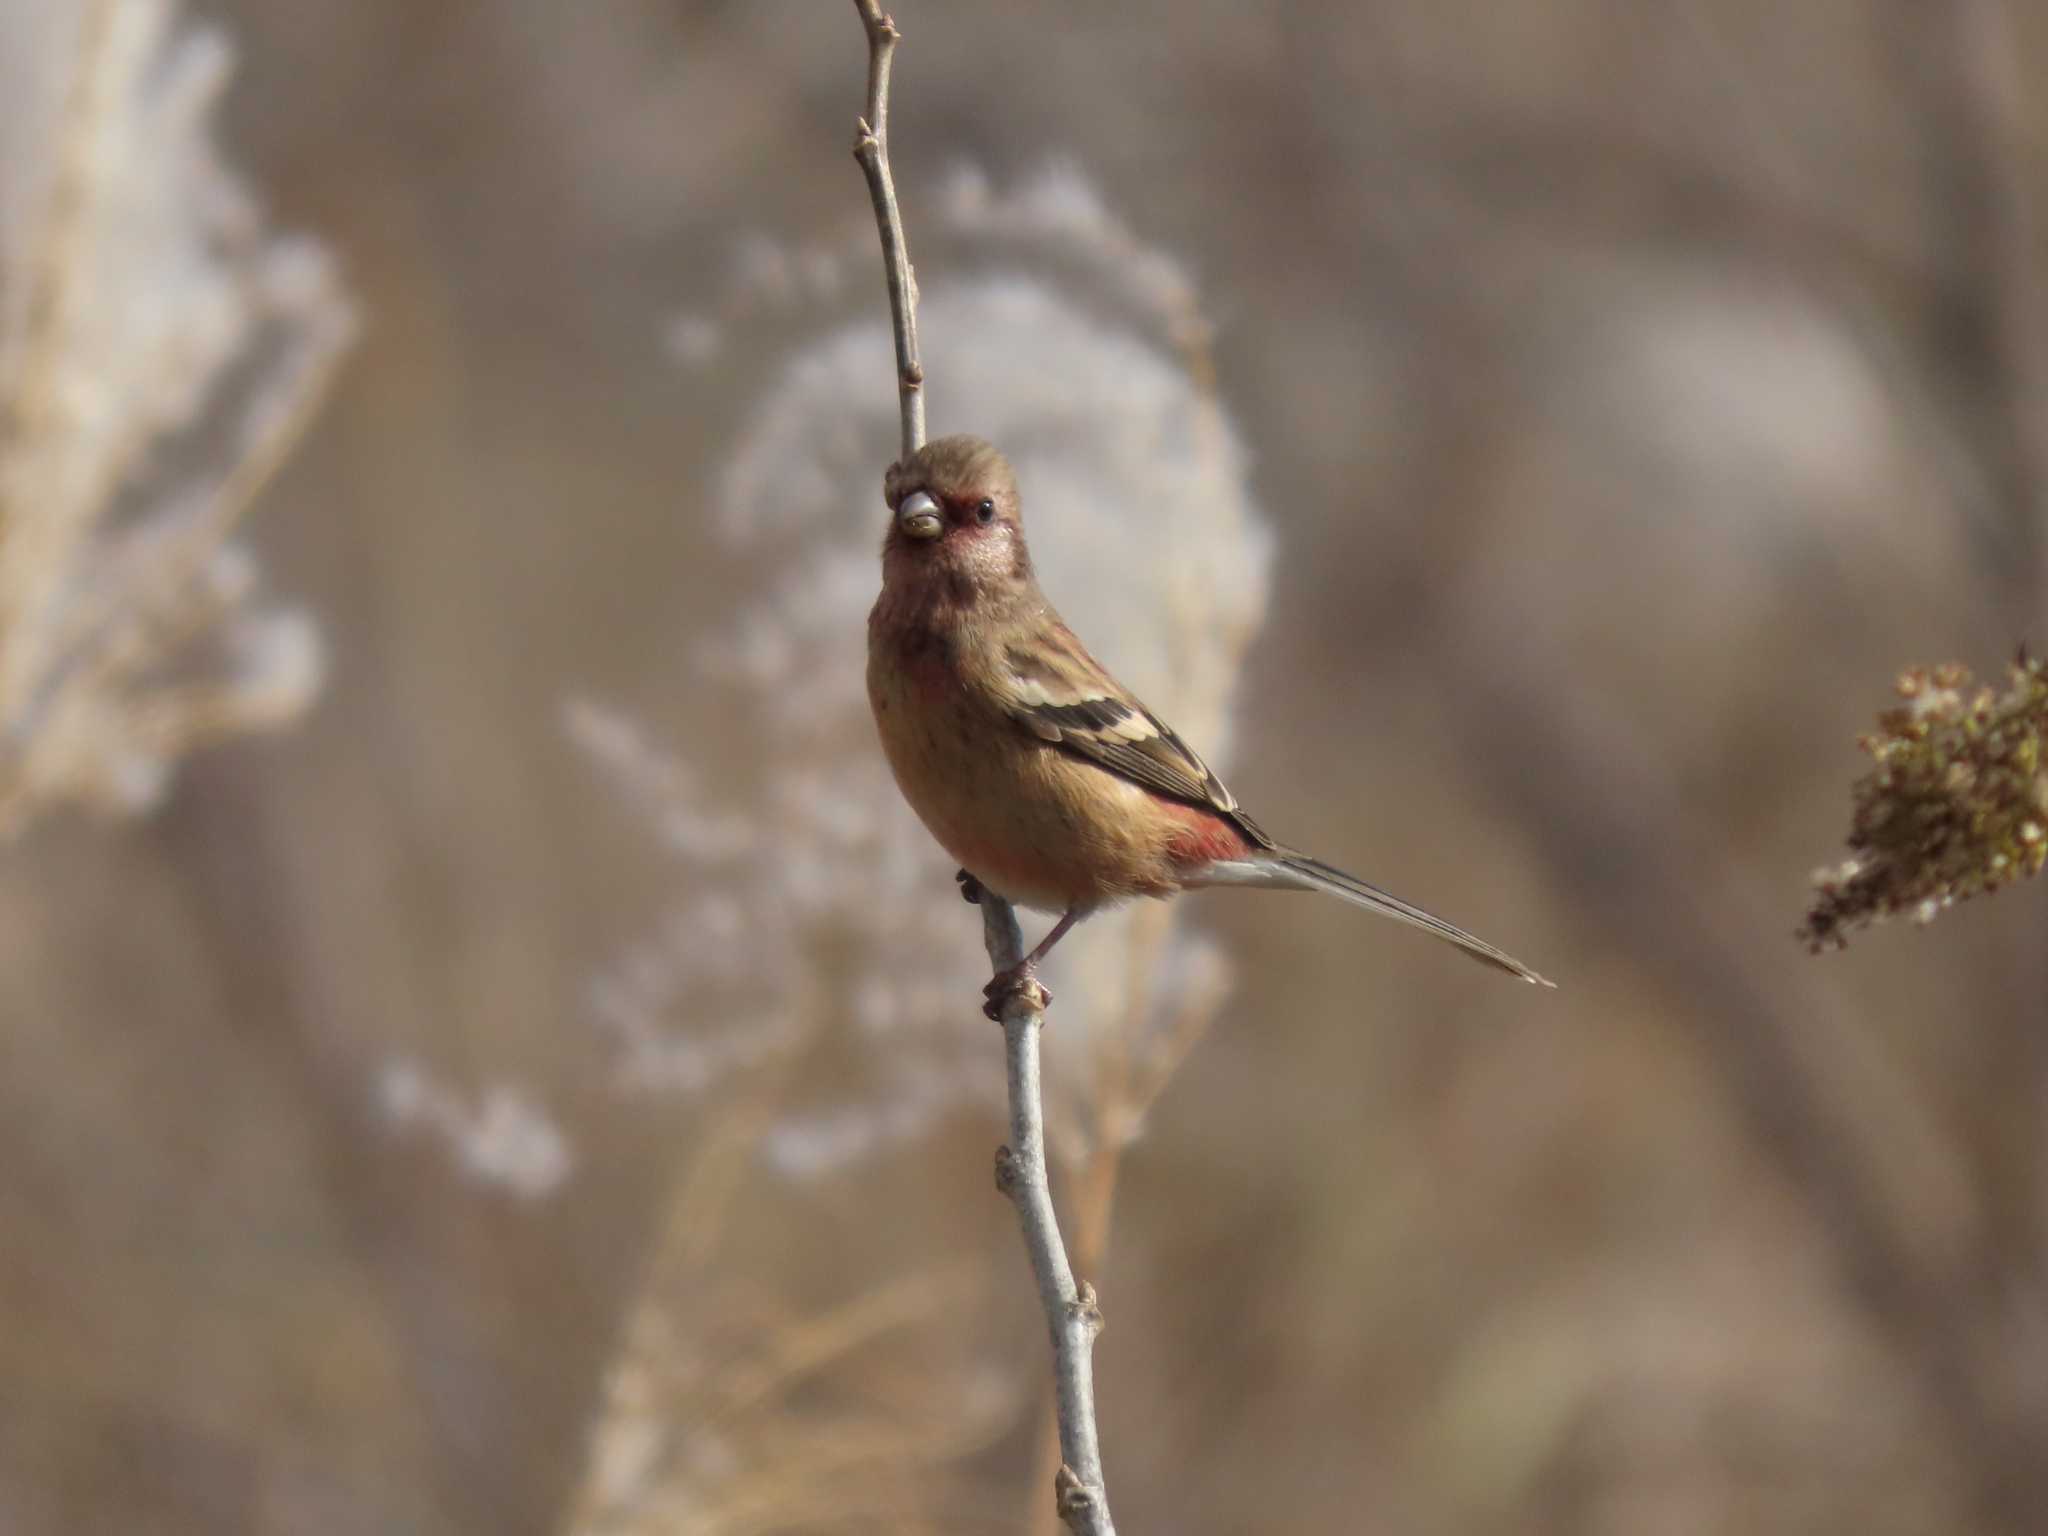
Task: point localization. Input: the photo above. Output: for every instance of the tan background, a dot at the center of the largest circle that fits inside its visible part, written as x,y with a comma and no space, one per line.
1631,391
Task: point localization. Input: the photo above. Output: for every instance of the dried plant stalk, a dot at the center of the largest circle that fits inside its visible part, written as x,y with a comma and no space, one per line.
160,353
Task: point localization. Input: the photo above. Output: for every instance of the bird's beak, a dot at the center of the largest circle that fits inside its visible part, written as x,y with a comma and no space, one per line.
918,517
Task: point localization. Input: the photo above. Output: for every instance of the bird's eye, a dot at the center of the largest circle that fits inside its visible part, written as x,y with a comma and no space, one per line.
986,512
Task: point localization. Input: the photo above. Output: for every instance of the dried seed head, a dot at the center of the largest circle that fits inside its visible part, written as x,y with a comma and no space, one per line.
1952,806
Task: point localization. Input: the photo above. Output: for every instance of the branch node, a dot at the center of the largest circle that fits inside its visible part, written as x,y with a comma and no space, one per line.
1074,1498
1086,1310
1016,999
1006,1172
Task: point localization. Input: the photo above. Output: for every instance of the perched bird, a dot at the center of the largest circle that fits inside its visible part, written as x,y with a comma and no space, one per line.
1034,768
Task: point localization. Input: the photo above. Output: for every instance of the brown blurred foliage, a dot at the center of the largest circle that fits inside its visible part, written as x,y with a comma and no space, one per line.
1629,392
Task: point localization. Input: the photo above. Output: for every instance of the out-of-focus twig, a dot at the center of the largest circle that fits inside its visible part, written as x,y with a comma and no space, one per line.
1133,1064
684,1448
1071,1312
1989,96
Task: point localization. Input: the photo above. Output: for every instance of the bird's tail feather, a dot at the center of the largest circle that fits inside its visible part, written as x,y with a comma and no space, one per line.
1288,870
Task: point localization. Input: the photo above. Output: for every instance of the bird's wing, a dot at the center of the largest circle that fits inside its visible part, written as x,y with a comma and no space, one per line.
1059,693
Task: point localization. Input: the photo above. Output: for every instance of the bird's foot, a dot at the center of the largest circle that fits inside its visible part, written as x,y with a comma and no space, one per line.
970,888
1019,982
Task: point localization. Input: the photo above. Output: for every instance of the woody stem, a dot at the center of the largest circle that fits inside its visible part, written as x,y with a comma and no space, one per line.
1071,1315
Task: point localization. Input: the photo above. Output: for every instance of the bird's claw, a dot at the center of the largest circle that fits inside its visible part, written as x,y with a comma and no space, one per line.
970,888
1018,982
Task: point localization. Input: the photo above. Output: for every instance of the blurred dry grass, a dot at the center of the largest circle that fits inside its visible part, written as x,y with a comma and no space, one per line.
159,354
1629,392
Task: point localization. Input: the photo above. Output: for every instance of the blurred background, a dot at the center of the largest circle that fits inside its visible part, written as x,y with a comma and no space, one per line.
481,1047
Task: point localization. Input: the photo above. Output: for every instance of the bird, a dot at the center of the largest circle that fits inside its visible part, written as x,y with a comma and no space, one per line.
1040,774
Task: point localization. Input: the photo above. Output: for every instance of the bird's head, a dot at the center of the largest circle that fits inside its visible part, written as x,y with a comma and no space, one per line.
954,515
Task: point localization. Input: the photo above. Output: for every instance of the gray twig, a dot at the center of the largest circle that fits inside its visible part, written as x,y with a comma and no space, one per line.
871,149
1071,1314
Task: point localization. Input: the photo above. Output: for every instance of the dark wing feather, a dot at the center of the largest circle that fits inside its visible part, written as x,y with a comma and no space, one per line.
1063,696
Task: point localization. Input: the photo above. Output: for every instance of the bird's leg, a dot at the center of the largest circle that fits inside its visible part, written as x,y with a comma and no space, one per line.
1059,930
970,888
1023,976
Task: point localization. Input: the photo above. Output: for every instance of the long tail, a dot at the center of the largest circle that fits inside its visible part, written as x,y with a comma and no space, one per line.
1284,869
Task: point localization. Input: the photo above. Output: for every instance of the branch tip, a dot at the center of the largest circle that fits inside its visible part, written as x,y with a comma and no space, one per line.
871,149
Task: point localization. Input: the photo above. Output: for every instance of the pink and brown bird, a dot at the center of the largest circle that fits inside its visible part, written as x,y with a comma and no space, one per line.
1048,782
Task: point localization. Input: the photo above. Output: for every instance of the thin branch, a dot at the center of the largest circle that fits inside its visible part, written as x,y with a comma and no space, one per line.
871,149
1071,1314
